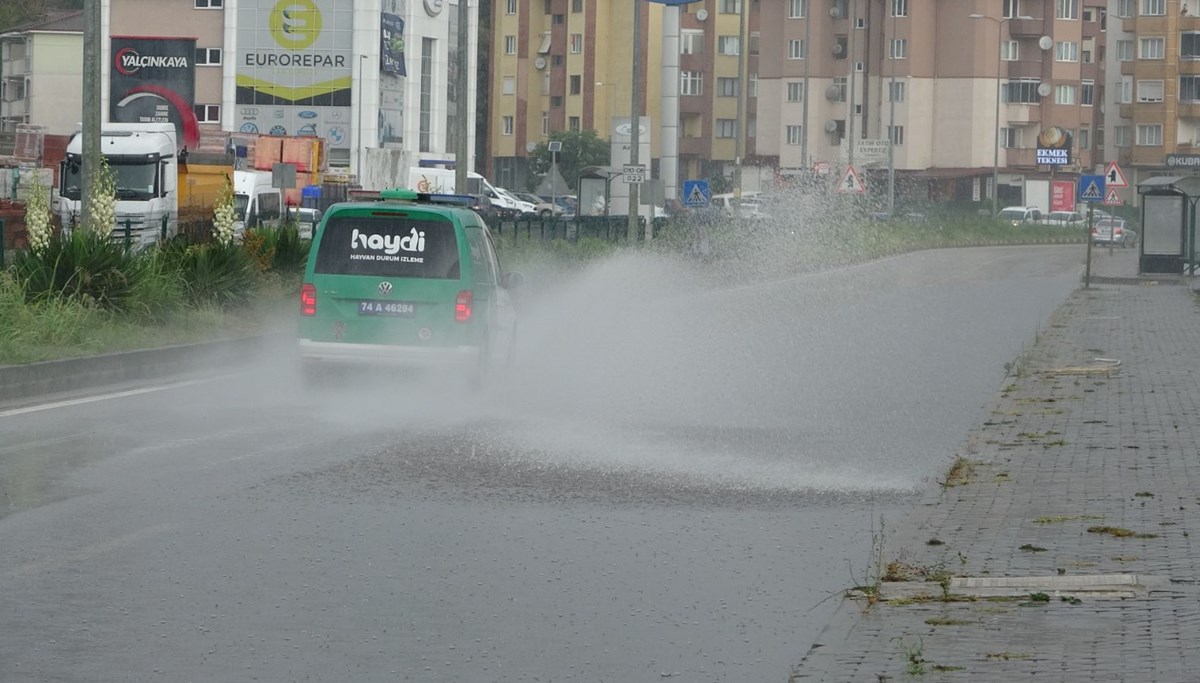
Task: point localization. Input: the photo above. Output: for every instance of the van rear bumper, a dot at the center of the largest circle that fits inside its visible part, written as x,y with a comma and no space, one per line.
336,353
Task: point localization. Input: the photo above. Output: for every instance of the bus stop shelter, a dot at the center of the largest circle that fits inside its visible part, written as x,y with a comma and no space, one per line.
1168,239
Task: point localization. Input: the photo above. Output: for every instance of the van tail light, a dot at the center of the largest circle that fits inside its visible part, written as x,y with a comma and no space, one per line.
308,300
462,306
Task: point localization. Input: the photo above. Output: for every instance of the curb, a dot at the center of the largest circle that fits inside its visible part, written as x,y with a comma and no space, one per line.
23,382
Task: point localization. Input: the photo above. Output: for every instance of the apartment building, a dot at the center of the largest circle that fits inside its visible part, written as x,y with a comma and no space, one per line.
567,65
954,87
41,65
1154,86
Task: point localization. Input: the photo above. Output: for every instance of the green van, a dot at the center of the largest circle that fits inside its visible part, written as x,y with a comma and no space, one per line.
406,280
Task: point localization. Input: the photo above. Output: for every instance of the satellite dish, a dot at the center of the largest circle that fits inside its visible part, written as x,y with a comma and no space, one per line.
835,12
701,14
540,62
1044,89
1045,42
832,92
831,126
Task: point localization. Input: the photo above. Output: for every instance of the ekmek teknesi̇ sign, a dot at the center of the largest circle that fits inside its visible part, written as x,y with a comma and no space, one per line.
1054,147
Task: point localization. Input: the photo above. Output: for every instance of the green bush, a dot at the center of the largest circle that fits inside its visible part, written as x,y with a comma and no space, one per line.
84,267
289,253
213,274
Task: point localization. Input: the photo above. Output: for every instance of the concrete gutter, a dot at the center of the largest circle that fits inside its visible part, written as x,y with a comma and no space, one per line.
32,380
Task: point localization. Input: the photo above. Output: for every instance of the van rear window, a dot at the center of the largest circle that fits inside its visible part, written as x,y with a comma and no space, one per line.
388,246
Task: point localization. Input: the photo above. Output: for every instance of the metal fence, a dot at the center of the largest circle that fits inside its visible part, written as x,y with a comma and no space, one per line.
607,228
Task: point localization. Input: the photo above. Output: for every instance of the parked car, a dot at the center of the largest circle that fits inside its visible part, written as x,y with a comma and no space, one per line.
569,202
1113,232
1018,215
524,208
483,206
1065,219
542,207
406,282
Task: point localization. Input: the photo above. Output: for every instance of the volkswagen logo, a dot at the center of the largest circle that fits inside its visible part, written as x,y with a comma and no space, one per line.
385,288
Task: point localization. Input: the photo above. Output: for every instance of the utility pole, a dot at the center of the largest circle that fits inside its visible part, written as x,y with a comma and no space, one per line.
461,117
892,124
850,113
804,121
740,143
91,107
635,120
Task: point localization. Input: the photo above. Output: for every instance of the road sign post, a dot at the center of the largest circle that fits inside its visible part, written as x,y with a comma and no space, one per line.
851,182
633,174
696,194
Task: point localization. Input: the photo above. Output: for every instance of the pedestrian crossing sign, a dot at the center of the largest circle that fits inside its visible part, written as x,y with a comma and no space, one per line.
1091,188
851,183
696,194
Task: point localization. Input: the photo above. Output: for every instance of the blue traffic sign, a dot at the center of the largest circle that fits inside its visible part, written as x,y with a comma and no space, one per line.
696,194
1091,188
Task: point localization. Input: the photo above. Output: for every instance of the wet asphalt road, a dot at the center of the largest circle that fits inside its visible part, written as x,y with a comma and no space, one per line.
671,489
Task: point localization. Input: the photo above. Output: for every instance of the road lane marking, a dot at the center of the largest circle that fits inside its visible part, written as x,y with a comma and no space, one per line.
101,397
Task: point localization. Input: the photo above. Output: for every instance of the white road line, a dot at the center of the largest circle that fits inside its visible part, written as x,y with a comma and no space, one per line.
101,397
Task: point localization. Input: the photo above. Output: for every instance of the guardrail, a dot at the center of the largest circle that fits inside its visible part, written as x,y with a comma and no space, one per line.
607,228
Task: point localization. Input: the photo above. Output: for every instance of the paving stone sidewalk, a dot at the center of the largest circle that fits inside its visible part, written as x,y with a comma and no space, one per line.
1076,452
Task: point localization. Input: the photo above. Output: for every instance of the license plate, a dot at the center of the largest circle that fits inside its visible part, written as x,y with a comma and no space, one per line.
400,309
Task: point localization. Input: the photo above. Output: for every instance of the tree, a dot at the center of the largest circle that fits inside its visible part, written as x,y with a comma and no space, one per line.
580,149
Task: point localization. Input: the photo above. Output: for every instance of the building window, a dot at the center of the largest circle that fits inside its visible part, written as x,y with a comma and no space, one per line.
896,91
510,7
545,123
207,113
1085,138
1153,8
797,9
1149,91
573,123
726,128
752,88
1010,138
208,56
557,60
1124,50
576,84
727,45
896,135
838,89
795,91
506,125
691,42
797,49
558,19
731,6
1010,50
509,85
1189,45
1012,9
1189,88
1064,94
576,43
1066,51
1122,136
1066,9
1087,93
1023,91
547,7
727,87
1088,14
556,101
576,6
899,48
1151,48
1125,8
510,45
691,83
209,4
1149,134
794,135
1125,90
899,8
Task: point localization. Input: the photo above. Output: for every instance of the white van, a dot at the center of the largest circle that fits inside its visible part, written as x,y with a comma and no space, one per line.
255,202
728,202
442,181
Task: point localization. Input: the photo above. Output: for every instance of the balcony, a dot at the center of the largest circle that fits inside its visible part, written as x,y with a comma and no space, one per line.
1189,66
1020,157
1026,28
1022,113
1188,110
1189,23
1125,110
693,104
692,62
694,145
1148,156
1025,68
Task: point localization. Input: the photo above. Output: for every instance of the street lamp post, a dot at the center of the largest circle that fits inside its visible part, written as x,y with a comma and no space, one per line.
996,131
362,60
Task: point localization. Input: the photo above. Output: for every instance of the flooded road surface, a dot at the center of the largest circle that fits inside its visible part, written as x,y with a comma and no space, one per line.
674,482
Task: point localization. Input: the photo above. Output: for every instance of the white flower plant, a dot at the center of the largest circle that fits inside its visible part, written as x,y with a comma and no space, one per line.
102,212
37,218
224,217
